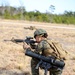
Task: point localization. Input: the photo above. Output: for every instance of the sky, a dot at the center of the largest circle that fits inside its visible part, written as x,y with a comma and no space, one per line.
42,5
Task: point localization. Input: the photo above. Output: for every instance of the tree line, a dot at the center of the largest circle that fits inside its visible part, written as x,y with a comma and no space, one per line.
20,13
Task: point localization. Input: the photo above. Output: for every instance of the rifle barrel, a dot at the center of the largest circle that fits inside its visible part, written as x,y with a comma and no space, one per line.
18,40
7,40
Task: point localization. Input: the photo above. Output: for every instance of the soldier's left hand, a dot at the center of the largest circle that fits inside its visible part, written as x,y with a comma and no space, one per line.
26,46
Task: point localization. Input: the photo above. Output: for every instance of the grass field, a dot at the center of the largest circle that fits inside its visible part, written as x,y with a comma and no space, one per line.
12,58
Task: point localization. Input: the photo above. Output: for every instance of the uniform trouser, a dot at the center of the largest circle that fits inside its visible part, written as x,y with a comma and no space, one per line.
55,72
36,71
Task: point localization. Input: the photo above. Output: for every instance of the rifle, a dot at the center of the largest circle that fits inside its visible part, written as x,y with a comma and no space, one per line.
45,62
28,40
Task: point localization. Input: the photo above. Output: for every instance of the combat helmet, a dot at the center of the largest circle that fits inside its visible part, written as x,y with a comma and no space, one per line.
40,32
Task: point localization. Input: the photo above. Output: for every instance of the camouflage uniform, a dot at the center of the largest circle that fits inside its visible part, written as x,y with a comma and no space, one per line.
43,48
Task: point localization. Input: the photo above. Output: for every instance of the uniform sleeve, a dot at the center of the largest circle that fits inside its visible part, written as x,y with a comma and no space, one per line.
39,48
44,48
48,51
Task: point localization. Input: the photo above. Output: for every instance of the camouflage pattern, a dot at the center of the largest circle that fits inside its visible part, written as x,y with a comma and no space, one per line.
39,32
55,72
30,28
34,71
43,48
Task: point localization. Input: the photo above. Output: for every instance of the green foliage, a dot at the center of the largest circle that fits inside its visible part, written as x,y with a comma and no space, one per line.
21,13
6,14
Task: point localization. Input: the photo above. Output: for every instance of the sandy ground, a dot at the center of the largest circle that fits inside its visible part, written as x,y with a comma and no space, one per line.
12,58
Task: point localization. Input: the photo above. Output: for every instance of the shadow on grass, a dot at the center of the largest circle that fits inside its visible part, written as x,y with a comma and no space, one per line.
4,71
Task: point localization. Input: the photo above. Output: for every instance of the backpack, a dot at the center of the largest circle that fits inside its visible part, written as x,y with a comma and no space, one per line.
57,48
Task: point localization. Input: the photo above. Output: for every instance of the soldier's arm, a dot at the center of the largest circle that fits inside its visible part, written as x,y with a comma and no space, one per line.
26,46
48,51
